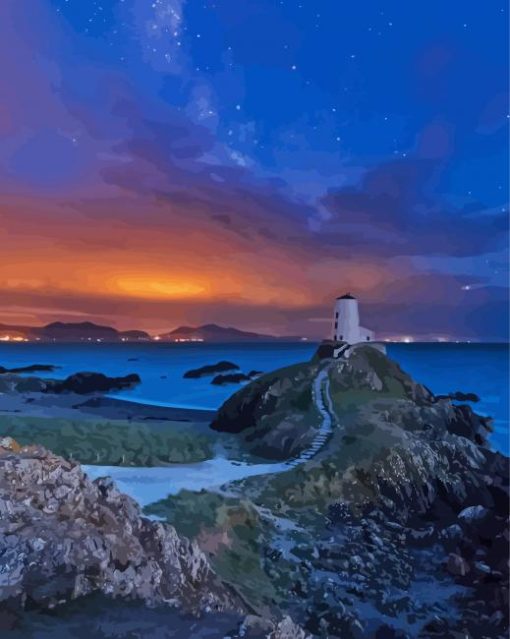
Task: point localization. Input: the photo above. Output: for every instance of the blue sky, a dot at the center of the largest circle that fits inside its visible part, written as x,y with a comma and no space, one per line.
304,147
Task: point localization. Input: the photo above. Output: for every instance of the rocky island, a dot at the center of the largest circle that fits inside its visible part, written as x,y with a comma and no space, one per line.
386,517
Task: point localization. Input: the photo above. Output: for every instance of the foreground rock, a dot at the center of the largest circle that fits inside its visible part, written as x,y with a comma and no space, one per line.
63,537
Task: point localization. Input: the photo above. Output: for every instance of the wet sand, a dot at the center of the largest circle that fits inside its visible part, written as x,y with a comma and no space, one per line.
94,406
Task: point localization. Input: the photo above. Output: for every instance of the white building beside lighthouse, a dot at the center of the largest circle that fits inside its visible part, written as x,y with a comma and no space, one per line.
346,326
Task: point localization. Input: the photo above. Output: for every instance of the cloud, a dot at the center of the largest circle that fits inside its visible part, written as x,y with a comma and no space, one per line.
394,212
128,179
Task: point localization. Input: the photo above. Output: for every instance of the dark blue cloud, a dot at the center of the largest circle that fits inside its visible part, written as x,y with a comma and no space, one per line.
395,211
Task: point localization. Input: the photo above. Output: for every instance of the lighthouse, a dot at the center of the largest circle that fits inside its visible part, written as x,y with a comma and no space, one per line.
346,326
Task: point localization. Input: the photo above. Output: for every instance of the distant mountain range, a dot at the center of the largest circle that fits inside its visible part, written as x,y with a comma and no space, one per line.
215,333
71,332
88,331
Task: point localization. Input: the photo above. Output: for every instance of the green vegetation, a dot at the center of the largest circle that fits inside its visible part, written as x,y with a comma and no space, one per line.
336,473
304,400
236,538
111,443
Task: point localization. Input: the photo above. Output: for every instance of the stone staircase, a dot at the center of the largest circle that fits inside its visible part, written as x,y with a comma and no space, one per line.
322,400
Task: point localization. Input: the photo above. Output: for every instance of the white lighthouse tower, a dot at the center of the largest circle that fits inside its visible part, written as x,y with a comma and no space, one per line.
346,326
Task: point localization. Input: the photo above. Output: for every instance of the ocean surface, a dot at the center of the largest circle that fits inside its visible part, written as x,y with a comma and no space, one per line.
443,367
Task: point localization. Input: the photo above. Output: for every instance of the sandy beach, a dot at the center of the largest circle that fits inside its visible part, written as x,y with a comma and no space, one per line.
94,406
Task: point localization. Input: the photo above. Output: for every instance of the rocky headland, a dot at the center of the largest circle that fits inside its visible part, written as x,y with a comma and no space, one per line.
394,526
398,525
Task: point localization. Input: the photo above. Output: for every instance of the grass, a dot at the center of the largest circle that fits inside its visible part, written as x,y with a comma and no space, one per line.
332,477
234,536
110,443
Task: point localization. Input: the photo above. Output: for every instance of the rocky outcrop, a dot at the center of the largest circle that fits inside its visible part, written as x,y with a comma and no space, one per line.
13,383
277,408
210,369
234,378
459,396
32,368
80,383
63,536
402,516
84,383
275,412
365,368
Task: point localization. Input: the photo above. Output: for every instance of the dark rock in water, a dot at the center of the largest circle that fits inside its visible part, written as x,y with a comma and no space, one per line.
465,397
234,378
13,383
211,369
83,383
33,368
458,396
63,536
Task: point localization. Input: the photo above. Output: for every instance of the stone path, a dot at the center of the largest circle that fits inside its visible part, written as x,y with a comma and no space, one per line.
322,399
148,485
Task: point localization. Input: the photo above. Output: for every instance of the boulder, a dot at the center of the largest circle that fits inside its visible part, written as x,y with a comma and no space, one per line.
457,565
63,536
474,514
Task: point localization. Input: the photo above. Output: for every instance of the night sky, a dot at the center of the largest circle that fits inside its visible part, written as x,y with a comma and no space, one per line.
246,161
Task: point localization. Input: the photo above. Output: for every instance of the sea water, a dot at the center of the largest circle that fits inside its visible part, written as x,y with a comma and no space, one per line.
443,367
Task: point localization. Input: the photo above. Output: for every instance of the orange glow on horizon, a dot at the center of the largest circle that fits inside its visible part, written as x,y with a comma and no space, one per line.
147,274
147,287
